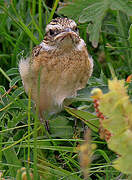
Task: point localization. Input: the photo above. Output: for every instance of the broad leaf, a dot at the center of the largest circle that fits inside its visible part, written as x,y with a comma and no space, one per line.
12,159
117,109
59,127
123,142
88,118
74,9
122,6
93,12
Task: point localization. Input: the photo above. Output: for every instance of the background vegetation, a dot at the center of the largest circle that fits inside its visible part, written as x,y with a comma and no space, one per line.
105,25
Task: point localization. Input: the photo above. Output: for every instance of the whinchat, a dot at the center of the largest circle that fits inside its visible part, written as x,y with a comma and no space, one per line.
62,62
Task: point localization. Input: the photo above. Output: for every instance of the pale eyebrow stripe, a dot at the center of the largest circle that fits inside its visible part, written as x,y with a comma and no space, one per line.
52,27
73,24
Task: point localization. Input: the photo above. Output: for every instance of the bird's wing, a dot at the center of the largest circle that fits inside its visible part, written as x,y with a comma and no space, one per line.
36,51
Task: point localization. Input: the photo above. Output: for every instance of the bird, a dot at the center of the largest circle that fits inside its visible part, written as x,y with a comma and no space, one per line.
60,66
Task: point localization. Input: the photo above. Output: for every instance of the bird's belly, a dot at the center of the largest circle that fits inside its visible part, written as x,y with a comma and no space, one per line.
60,77
60,83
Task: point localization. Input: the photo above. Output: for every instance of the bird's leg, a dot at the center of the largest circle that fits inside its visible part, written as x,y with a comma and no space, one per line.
75,124
75,130
44,121
83,126
47,125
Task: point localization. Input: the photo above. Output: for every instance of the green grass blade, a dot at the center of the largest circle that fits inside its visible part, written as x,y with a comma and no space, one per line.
53,10
5,75
40,14
37,28
29,123
22,25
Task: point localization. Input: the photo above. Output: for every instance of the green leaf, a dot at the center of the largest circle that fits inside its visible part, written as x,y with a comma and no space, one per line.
2,90
59,127
122,6
115,105
53,10
4,74
94,13
12,71
119,164
23,104
74,9
53,148
123,28
15,80
12,159
37,28
4,55
122,142
56,171
20,23
18,92
103,153
130,35
88,118
2,113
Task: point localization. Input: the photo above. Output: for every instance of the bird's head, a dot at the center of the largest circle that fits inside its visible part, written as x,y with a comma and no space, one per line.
63,33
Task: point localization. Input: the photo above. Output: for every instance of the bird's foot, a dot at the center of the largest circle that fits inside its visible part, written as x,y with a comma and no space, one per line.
47,125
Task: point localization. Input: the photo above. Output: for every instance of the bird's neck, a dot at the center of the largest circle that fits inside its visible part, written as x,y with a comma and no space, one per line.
63,48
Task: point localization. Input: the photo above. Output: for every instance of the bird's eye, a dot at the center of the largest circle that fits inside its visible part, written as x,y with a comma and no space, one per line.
51,32
76,29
